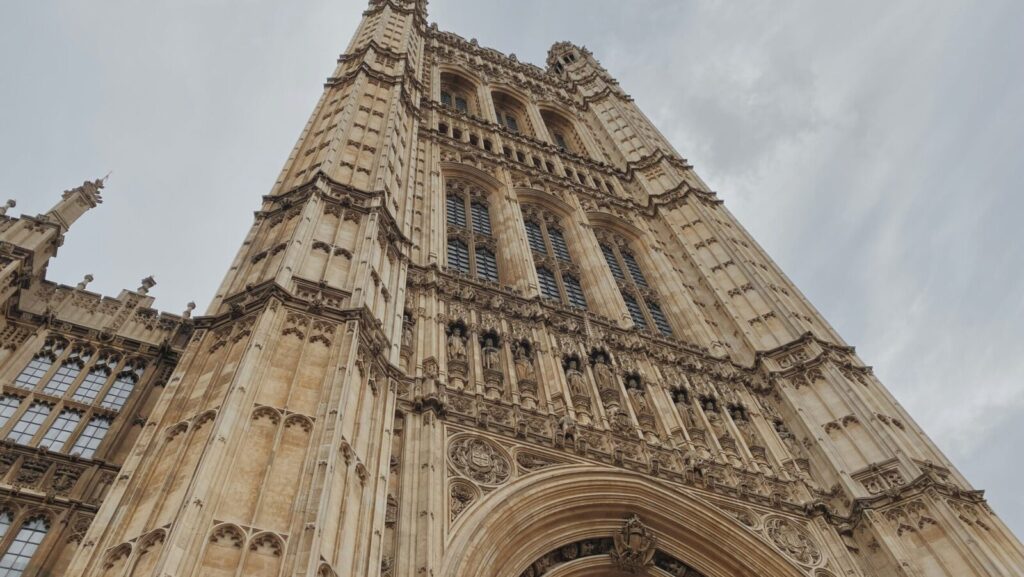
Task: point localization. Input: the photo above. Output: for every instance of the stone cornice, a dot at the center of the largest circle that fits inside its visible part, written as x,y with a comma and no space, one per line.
330,191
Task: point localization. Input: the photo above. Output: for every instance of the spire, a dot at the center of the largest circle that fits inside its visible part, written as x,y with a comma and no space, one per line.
75,202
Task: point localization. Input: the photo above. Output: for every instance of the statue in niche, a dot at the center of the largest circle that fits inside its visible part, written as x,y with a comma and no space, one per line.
491,354
717,424
708,403
636,392
577,384
603,375
407,336
456,345
524,364
682,402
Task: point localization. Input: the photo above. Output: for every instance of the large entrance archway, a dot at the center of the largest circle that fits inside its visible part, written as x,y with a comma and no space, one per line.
572,521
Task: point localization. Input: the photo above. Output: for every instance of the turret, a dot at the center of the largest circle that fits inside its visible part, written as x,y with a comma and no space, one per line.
28,243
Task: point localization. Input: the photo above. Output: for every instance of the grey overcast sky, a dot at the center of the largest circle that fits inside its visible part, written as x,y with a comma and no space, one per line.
875,148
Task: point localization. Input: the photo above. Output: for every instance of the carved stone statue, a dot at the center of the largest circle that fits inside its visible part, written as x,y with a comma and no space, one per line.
603,375
524,365
407,336
491,354
577,384
640,404
456,345
717,424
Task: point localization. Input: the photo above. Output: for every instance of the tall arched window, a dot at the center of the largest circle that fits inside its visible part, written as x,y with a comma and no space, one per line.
563,132
96,378
60,431
458,93
557,274
40,364
511,113
123,386
641,301
19,553
8,406
28,425
68,372
91,437
471,244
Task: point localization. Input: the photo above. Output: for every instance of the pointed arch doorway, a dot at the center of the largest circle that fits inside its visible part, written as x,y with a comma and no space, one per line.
574,521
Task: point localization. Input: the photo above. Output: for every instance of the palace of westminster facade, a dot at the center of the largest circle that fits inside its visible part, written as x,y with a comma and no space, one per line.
486,323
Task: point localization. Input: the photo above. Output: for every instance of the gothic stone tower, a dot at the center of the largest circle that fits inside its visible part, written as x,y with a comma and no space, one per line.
488,322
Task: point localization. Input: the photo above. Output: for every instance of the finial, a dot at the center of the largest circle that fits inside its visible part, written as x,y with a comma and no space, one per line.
90,189
9,205
191,306
147,283
85,282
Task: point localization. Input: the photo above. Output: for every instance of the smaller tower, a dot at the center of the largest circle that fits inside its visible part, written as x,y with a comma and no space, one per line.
28,243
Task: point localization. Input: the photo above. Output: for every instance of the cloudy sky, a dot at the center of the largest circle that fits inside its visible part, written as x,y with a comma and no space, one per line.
875,148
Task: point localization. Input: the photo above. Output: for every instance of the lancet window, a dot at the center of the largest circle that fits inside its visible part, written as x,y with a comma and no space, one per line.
92,436
642,302
563,132
557,274
459,94
68,371
19,550
510,113
73,395
41,363
471,245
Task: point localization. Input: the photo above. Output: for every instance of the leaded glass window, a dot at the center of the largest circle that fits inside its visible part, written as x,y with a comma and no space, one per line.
60,430
28,425
119,392
6,519
8,406
91,437
62,379
24,546
91,385
33,372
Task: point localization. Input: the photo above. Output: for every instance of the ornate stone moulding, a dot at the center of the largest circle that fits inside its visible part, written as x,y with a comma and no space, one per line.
479,459
632,550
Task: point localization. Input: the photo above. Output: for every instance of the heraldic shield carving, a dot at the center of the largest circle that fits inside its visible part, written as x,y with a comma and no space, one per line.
634,546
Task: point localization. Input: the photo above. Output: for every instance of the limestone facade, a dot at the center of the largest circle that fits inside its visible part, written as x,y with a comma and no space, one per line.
487,322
